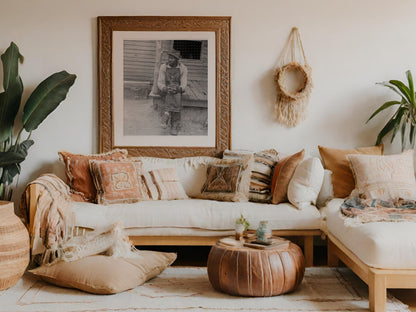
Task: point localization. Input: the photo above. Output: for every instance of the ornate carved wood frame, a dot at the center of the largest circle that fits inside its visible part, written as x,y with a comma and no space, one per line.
218,25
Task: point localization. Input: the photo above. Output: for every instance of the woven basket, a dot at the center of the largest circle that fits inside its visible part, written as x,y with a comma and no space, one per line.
14,246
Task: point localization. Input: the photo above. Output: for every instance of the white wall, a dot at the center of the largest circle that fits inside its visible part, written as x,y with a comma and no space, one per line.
350,45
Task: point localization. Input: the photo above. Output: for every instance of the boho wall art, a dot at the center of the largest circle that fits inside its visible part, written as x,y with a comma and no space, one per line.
164,85
293,81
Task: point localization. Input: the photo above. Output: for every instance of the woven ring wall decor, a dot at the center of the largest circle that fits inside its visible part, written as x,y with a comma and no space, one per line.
305,81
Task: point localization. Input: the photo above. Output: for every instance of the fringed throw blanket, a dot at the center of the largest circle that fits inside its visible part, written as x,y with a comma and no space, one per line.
359,210
51,227
50,221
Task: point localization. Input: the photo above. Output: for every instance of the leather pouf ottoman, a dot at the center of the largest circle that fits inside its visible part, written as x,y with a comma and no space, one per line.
246,271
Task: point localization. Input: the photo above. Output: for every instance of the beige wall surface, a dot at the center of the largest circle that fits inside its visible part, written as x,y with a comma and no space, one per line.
350,44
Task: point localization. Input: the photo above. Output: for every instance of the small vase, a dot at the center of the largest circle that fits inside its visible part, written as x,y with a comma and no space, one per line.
263,231
239,230
14,246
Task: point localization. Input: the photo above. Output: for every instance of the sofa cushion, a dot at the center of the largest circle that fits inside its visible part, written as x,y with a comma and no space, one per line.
336,161
77,170
385,245
168,184
261,172
191,170
282,175
228,179
196,214
106,275
384,177
118,181
306,183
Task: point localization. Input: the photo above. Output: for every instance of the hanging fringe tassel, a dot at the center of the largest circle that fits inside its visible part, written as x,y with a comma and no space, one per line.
290,107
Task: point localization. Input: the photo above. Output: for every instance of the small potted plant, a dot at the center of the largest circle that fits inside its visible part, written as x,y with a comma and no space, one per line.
241,225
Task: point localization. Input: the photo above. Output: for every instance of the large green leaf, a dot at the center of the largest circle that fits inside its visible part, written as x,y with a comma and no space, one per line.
412,135
386,129
10,60
403,134
13,89
398,120
45,98
403,89
383,107
411,88
16,154
9,172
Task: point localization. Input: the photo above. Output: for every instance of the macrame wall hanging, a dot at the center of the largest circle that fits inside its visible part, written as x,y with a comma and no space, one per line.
293,82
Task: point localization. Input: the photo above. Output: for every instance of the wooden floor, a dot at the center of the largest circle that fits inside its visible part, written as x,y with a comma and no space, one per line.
198,255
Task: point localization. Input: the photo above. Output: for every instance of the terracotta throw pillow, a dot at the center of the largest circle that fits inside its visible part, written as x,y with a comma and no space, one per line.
384,177
283,172
336,161
77,169
228,179
106,275
118,181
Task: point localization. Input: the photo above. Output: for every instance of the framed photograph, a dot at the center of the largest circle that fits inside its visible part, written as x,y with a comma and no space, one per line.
164,85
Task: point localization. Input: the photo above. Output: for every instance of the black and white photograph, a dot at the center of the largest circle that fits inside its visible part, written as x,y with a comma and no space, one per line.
163,84
165,87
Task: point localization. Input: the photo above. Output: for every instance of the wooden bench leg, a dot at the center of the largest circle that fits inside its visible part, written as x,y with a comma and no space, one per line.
377,292
333,260
308,250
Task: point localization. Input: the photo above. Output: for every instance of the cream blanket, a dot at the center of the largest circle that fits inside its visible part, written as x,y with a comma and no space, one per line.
50,220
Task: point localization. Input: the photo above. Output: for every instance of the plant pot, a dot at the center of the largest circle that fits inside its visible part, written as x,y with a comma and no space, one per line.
14,246
239,230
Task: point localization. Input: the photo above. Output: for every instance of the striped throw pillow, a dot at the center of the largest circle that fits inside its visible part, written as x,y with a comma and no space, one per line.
164,184
261,172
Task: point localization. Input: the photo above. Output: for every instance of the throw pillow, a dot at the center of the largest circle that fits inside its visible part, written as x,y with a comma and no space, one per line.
306,183
327,192
336,161
261,173
106,275
384,177
77,169
228,179
118,181
282,174
164,184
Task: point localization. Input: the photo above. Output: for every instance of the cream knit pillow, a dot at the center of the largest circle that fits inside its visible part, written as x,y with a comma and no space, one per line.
384,177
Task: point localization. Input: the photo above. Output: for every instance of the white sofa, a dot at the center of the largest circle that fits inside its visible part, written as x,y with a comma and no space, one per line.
194,221
382,254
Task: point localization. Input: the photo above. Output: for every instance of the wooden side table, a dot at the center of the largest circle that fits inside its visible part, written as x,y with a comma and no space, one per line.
245,271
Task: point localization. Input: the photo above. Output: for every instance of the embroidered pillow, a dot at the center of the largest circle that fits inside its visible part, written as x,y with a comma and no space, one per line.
228,179
106,275
336,161
118,181
283,172
261,173
384,177
77,169
164,184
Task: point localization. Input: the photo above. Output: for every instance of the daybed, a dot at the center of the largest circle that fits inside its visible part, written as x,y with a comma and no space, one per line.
189,221
382,254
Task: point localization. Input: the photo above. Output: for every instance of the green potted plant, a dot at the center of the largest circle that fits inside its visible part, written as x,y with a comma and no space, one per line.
41,102
241,225
404,117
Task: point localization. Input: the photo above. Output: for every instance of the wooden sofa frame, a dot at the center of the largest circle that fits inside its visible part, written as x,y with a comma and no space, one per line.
306,236
378,280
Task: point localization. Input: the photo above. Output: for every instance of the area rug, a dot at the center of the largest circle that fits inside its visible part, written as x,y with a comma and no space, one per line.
188,289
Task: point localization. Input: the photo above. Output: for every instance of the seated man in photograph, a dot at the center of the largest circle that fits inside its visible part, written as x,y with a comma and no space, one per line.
173,78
